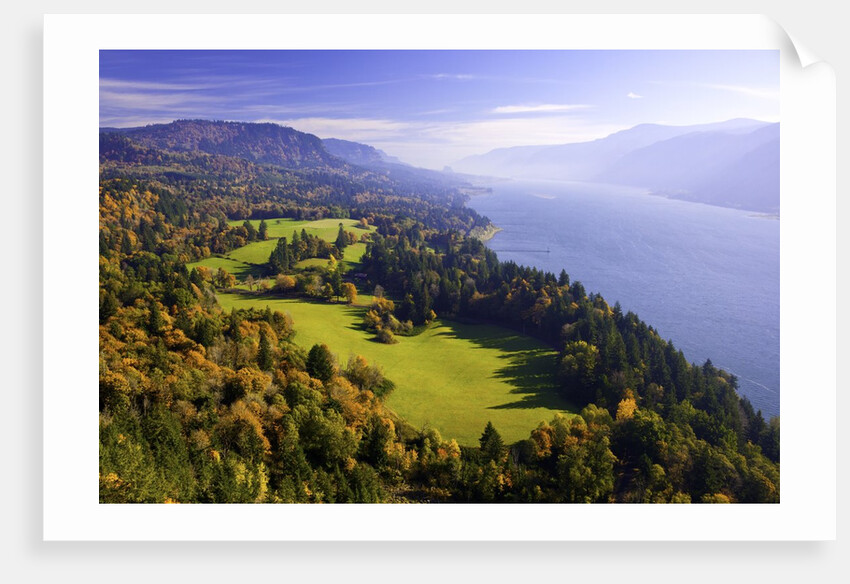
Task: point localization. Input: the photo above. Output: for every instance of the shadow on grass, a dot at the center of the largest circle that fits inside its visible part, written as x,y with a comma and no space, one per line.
246,269
529,366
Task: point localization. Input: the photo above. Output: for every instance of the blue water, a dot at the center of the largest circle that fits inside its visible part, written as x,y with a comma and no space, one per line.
705,277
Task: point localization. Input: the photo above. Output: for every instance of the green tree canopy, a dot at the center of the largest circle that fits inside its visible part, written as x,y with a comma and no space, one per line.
320,363
492,445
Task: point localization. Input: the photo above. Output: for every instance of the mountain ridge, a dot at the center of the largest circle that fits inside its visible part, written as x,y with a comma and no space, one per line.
683,162
265,143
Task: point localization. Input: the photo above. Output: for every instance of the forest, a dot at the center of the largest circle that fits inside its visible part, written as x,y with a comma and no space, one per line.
199,404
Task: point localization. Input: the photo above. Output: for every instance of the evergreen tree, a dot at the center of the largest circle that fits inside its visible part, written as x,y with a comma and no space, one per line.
264,355
252,232
320,363
279,260
234,329
195,278
335,280
492,446
126,244
155,321
295,247
103,243
422,306
341,239
108,307
263,232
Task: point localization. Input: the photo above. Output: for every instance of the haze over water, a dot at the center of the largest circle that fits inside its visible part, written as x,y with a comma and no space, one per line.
705,277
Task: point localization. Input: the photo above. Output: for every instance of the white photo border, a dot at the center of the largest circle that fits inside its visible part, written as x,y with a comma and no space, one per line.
807,285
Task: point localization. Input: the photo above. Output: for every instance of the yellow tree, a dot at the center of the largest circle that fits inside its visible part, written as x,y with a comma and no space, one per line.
225,279
349,290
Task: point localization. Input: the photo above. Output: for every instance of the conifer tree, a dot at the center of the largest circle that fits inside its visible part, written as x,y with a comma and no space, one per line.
279,260
264,355
155,322
492,446
341,239
320,363
252,232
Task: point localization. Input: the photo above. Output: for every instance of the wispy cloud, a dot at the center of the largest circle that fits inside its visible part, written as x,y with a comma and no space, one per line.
634,95
303,88
760,92
122,85
151,101
540,108
457,76
435,112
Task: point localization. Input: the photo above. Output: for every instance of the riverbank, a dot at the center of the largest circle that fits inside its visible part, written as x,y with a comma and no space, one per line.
485,233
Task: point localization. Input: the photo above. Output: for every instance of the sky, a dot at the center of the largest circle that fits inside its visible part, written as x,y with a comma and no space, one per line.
432,108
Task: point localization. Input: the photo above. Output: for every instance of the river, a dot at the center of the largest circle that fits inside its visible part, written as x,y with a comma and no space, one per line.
705,277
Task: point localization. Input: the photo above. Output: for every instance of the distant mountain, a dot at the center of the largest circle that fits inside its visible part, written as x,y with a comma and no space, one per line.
751,182
261,143
728,169
727,163
359,154
379,161
583,160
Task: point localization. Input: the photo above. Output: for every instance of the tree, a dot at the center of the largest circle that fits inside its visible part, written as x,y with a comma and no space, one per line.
280,259
585,470
234,328
264,355
577,371
320,363
335,278
284,283
349,290
109,306
126,244
155,322
224,279
252,232
492,446
341,239
386,336
263,231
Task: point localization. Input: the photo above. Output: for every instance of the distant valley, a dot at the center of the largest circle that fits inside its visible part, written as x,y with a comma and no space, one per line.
730,164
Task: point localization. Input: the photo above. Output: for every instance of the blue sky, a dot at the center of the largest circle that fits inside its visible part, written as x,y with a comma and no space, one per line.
431,108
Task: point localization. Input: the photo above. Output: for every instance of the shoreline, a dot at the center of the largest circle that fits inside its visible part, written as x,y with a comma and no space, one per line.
485,234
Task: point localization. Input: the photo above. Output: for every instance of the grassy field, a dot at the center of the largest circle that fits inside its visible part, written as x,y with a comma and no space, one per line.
239,269
249,258
454,377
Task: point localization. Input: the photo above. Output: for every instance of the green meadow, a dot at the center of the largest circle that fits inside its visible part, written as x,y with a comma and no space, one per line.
453,377
239,269
251,258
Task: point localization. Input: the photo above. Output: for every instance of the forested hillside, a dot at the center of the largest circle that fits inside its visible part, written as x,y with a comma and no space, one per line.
200,404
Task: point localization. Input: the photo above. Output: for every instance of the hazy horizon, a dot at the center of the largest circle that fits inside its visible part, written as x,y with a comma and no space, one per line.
432,108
